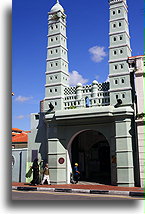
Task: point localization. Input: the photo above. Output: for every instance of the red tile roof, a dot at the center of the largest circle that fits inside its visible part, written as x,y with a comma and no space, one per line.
22,137
19,135
16,130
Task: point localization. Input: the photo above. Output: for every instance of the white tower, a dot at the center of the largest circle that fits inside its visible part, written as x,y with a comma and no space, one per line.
119,74
57,60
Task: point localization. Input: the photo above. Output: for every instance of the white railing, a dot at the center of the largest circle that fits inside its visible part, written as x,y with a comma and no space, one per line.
103,99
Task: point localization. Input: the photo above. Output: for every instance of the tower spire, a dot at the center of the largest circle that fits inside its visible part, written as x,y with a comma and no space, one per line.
57,1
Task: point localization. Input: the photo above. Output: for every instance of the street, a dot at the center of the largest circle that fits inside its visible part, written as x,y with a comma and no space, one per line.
39,195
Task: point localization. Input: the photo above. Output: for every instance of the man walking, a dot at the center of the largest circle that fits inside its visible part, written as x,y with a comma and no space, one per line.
46,175
76,173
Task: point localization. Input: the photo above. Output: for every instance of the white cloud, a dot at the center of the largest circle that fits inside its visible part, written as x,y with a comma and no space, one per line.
97,77
20,117
23,99
97,53
75,78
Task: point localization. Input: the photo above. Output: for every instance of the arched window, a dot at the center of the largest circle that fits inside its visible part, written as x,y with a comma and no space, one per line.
114,25
121,37
115,67
87,102
121,66
122,80
116,82
121,51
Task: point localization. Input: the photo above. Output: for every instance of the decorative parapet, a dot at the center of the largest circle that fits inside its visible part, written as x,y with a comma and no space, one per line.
96,94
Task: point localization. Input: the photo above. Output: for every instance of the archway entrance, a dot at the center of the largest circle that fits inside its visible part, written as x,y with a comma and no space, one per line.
91,151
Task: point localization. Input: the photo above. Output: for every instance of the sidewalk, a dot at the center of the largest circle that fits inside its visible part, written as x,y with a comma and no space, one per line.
82,188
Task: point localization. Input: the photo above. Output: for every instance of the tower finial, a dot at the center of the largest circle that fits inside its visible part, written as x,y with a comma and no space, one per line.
57,1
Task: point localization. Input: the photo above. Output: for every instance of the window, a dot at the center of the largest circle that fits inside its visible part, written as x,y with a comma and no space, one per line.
50,78
51,52
121,51
116,96
55,77
50,90
122,80
114,39
115,52
56,38
115,67
55,89
113,12
56,26
114,25
56,103
121,37
56,50
123,95
34,155
120,24
51,64
116,82
121,66
119,11
56,64
51,27
51,39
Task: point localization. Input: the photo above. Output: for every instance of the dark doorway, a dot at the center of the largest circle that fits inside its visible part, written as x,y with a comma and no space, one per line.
91,151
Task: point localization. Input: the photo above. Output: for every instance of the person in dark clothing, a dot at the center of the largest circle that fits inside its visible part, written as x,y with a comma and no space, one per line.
76,173
35,168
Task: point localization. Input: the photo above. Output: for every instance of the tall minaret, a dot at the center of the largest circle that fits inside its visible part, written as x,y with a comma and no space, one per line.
57,60
119,75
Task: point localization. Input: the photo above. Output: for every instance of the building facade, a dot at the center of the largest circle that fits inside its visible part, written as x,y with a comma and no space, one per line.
89,124
137,66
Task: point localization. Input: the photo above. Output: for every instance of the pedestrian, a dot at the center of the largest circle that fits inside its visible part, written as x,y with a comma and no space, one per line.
46,175
35,168
76,173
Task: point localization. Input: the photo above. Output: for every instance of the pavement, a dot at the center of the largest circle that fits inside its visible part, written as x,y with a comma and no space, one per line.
82,187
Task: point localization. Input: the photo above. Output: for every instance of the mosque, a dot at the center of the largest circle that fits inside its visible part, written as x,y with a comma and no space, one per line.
93,125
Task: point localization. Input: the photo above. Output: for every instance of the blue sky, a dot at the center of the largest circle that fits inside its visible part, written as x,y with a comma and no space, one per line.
87,32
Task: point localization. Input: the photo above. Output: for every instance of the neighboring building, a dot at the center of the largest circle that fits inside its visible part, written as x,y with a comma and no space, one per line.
19,138
92,124
137,65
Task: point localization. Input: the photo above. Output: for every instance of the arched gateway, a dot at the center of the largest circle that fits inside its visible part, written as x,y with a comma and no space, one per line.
91,151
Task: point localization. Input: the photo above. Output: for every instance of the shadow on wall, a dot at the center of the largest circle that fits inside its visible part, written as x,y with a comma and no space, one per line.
41,137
